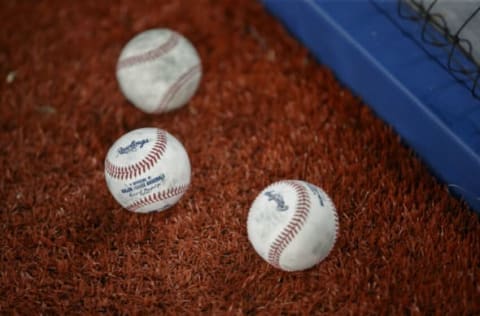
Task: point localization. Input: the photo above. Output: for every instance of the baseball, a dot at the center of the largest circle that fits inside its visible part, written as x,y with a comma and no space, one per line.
147,170
292,225
159,70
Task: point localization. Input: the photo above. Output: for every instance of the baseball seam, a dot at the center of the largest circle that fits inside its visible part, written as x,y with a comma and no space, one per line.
151,54
132,171
157,197
293,227
175,87
335,215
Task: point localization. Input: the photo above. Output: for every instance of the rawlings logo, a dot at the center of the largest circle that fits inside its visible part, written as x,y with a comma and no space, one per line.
278,198
133,146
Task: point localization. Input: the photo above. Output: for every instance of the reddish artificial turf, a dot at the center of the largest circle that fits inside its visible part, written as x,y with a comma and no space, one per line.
265,111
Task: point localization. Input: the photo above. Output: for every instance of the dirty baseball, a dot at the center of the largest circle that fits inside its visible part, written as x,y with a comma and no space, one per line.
147,170
292,225
159,70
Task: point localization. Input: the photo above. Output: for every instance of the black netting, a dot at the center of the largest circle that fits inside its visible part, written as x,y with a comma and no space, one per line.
463,58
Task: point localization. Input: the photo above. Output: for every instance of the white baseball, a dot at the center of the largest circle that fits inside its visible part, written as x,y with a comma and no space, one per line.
147,170
292,225
159,70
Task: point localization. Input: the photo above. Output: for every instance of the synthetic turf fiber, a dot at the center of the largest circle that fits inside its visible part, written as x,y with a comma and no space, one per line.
265,111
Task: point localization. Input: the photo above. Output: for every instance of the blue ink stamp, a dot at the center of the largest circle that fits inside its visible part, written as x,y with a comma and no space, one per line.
278,198
133,146
144,185
316,192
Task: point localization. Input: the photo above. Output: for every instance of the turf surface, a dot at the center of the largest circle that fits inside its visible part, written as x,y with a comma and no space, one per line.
265,111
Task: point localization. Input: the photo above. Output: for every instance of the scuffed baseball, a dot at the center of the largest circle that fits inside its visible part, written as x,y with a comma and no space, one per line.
292,225
147,170
159,70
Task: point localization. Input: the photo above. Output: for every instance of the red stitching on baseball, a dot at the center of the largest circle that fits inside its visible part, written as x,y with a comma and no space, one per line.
151,54
157,197
175,87
131,171
293,227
